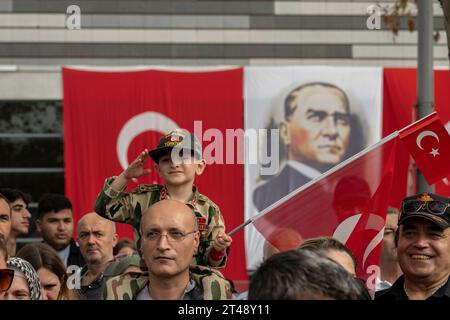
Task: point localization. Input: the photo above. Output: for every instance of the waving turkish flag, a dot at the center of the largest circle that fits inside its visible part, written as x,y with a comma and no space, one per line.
429,144
348,202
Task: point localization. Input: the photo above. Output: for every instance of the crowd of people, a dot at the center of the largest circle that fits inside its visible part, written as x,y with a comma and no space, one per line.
180,245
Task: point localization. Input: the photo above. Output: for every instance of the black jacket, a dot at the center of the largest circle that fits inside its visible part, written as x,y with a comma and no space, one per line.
75,257
396,292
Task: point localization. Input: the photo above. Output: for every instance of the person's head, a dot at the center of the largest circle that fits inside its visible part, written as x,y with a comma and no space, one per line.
303,275
170,239
178,157
332,249
282,239
317,125
3,253
50,269
6,275
5,218
20,216
55,220
96,237
125,247
388,249
25,285
423,239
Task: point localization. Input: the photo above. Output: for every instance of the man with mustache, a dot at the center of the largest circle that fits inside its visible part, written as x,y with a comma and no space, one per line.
97,238
20,216
423,250
55,222
316,132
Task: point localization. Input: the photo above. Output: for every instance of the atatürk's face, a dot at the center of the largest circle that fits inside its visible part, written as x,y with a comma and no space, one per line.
319,129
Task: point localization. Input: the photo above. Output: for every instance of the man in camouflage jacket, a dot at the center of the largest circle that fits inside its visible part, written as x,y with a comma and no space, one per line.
170,239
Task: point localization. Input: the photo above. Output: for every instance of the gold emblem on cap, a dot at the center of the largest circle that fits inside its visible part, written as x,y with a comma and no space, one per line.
425,197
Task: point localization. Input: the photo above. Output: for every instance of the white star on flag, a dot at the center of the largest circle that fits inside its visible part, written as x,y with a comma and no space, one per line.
434,152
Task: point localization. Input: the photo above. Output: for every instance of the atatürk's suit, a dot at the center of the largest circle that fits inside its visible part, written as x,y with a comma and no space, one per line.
290,178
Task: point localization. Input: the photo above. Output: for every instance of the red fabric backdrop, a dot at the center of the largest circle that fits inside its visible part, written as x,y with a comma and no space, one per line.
98,104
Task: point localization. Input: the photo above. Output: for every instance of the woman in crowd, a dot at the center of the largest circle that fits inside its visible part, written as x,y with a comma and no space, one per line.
125,248
50,269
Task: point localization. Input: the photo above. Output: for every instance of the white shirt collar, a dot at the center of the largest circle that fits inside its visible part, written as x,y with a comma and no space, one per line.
64,254
382,284
307,171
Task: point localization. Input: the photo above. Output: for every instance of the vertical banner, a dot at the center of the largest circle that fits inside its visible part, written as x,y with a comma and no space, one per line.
307,119
110,117
399,110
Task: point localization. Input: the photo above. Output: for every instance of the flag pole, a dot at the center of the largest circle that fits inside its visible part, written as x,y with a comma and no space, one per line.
425,76
321,177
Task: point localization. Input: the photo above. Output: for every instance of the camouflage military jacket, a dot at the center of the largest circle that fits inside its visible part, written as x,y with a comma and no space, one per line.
209,285
128,208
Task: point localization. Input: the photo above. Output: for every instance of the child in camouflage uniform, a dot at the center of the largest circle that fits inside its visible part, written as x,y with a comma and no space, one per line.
115,204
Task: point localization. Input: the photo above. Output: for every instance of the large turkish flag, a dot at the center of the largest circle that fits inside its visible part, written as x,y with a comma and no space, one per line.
348,203
399,101
110,117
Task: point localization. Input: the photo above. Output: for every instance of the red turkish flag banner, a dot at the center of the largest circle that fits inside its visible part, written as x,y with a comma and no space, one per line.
110,117
399,101
429,144
349,203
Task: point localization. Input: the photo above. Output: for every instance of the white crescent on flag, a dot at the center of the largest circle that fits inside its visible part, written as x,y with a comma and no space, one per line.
140,123
346,227
424,134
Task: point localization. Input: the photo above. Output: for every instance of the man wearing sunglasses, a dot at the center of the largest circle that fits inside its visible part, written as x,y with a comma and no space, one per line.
423,250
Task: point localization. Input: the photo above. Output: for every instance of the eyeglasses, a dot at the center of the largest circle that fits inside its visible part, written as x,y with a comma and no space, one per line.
6,278
435,207
172,236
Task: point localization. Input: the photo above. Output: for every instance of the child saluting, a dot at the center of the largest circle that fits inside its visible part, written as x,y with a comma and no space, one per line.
178,159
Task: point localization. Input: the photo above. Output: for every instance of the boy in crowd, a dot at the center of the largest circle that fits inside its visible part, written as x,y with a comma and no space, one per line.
178,174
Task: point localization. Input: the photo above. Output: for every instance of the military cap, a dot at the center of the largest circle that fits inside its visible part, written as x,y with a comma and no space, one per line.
178,138
429,206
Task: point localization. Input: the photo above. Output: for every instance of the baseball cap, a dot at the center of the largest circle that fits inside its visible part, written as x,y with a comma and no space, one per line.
178,138
429,206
